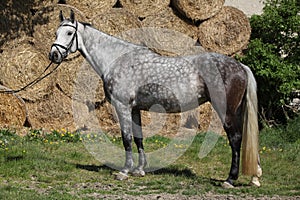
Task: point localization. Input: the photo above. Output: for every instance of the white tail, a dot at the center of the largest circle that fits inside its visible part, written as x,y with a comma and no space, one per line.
250,129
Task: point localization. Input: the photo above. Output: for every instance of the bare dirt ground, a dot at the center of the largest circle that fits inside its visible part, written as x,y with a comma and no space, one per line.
209,196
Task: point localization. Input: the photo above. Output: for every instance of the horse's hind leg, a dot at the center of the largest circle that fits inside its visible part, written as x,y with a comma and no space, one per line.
233,128
138,139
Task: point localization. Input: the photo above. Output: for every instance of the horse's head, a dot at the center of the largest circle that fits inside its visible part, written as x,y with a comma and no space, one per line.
66,39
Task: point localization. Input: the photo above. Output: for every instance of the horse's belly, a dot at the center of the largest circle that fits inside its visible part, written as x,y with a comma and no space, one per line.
162,99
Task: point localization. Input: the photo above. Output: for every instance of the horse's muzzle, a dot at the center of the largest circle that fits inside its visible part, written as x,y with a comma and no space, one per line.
55,56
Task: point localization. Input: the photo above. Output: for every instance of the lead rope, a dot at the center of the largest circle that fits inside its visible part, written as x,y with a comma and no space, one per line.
35,81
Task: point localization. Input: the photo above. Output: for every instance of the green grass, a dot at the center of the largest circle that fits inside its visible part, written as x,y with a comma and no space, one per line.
58,166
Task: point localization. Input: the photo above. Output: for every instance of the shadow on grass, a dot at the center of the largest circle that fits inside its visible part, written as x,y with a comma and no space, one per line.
176,172
13,158
187,173
92,168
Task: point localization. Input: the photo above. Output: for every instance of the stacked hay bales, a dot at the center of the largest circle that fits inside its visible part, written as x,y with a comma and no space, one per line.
91,8
115,21
168,27
21,64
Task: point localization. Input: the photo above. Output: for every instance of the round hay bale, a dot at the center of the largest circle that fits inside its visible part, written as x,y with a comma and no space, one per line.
107,119
52,112
144,8
166,27
78,80
198,10
12,110
20,65
116,21
46,21
66,75
168,124
168,19
228,32
90,8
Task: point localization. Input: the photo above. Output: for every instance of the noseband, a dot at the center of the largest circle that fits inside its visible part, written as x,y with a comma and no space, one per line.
68,47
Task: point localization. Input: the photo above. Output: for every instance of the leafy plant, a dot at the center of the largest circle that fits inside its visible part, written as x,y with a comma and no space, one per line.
274,56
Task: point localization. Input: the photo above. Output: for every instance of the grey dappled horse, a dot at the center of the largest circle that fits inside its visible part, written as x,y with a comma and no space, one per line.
135,78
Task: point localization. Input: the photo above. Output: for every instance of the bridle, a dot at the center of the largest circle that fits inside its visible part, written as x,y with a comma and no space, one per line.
69,46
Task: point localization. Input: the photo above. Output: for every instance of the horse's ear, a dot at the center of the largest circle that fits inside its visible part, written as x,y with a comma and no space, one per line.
61,16
72,16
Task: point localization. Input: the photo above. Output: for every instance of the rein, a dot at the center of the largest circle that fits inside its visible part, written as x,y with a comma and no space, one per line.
40,77
35,81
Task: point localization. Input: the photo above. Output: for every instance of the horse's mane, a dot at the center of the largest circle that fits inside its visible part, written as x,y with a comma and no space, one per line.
85,23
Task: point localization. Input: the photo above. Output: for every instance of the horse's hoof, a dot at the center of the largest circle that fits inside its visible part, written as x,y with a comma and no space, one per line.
138,173
259,172
227,185
121,176
255,181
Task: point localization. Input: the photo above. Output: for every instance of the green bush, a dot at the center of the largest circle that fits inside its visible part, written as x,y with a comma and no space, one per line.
281,136
274,56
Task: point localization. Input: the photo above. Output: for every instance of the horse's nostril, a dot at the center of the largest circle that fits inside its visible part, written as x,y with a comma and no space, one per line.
55,55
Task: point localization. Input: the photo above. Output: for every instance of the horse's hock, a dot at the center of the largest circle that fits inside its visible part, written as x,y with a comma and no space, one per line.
49,103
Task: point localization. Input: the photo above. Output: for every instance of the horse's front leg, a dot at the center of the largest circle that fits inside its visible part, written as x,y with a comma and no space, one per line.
124,115
138,139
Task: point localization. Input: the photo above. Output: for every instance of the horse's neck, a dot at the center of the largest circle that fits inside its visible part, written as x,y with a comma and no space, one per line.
102,50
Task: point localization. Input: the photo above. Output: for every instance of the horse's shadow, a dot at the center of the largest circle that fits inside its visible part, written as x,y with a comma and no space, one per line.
187,173
92,168
175,172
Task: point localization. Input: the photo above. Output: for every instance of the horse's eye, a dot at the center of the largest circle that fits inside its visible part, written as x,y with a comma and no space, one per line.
69,33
